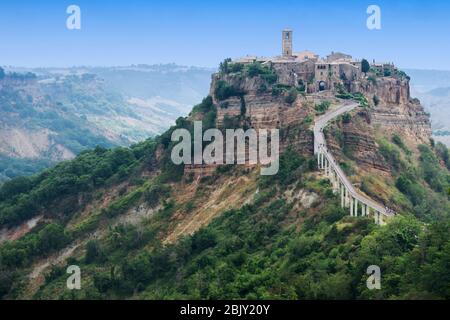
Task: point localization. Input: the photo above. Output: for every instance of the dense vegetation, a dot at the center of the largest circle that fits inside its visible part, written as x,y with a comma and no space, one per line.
14,167
78,111
261,251
59,109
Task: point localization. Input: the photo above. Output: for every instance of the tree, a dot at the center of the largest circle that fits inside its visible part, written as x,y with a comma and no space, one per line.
223,67
93,251
365,66
52,237
2,73
292,96
376,100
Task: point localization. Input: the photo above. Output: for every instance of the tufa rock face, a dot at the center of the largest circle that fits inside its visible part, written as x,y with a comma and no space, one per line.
254,105
257,108
357,141
390,91
396,110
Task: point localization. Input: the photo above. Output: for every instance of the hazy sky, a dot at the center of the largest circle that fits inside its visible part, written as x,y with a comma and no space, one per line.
414,34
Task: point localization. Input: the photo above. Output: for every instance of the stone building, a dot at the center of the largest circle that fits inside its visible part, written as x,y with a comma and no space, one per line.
287,42
328,74
383,68
308,70
335,56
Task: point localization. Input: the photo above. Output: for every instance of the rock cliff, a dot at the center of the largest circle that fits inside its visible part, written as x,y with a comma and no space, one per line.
254,102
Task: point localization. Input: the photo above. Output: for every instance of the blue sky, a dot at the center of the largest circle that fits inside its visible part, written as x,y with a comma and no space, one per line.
414,34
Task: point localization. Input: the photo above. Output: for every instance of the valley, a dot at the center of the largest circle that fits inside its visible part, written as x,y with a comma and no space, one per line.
50,115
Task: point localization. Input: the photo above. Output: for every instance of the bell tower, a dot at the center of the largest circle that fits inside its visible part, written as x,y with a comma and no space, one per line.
287,42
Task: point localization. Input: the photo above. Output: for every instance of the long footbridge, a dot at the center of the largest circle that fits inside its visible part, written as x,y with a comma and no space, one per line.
357,203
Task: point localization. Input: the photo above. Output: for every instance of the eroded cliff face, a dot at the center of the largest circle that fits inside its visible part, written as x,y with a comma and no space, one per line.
394,109
356,140
258,108
391,111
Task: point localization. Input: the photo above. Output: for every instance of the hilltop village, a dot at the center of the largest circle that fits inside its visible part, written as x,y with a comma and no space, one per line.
288,91
314,73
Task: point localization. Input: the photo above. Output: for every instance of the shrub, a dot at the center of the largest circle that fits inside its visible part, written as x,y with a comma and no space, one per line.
442,151
323,106
262,88
432,172
243,109
276,91
292,96
391,154
205,106
224,105
376,100
346,118
202,240
224,91
236,67
365,66
93,251
399,142
270,78
224,66
414,191
155,193
372,79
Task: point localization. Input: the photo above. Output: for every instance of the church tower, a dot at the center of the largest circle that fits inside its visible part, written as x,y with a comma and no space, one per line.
287,42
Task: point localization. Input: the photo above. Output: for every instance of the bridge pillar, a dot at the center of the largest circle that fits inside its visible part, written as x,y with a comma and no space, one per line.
336,181
323,160
351,206
356,208
333,178
347,200
341,186
381,220
327,169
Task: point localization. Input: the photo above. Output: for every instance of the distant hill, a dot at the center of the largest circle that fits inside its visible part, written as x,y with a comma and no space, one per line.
433,89
49,114
440,92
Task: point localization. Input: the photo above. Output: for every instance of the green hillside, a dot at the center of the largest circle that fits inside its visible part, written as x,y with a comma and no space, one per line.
272,246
